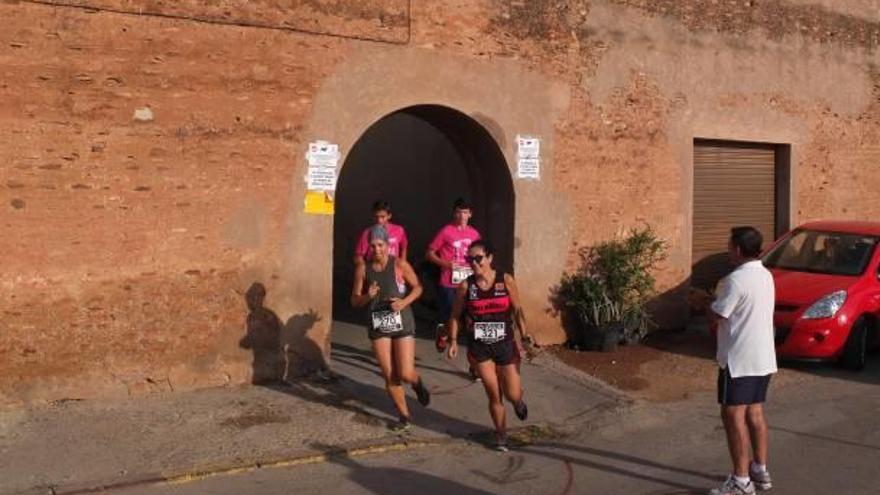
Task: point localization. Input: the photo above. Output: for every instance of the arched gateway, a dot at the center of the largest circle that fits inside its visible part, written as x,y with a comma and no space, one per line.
420,159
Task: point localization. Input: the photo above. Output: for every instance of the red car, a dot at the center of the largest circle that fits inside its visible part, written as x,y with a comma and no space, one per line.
827,277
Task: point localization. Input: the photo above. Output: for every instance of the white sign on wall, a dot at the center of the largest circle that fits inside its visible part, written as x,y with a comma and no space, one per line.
528,157
323,158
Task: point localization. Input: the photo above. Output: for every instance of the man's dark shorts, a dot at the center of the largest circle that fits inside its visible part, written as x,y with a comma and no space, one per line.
741,391
445,299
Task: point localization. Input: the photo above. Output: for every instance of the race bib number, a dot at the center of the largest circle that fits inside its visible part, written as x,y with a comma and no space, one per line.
387,321
489,331
460,274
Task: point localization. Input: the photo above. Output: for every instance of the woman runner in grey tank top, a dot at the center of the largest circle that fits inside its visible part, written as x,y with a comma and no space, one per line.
380,286
382,320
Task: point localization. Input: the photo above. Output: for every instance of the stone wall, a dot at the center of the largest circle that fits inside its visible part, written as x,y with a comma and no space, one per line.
152,157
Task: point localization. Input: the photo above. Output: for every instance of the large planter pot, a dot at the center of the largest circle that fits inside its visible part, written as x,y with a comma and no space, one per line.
605,338
601,338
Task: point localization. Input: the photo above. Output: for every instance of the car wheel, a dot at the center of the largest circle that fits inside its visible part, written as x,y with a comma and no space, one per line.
856,347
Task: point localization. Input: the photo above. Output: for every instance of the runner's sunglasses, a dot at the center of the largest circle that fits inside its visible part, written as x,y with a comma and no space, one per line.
474,259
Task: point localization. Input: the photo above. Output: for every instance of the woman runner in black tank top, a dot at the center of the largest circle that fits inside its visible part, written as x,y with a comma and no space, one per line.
380,285
490,301
487,315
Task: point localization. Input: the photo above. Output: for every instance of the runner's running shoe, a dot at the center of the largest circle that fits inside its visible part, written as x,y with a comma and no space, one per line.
422,393
403,425
732,487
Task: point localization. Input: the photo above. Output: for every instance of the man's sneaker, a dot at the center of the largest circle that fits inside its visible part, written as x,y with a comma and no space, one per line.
403,425
422,393
521,410
440,338
731,487
760,477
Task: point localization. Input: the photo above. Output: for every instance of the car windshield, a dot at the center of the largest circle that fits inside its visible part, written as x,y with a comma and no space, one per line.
815,251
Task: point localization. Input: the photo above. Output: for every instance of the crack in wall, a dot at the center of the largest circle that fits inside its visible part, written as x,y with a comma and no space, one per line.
402,20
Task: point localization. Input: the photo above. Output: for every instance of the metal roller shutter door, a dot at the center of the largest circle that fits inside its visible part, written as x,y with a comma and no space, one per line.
734,185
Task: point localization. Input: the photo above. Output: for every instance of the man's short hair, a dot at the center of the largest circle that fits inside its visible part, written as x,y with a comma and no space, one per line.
381,205
462,204
748,240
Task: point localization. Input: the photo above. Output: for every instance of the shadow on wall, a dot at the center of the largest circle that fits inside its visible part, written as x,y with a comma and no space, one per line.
280,351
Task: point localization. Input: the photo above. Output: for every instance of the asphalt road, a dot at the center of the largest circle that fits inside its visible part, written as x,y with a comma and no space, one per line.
824,439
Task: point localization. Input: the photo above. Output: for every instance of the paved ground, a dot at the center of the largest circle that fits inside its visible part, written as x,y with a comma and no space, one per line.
825,440
79,445
581,438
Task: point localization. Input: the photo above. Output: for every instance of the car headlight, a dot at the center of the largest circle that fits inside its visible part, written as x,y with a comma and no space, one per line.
827,306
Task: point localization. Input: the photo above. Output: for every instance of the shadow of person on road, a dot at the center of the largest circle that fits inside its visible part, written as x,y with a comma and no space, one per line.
288,360
262,337
395,481
371,403
576,455
363,359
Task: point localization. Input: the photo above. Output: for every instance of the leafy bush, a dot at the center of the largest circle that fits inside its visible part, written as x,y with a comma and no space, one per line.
614,282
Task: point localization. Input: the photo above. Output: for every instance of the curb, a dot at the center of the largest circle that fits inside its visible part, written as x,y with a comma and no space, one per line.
353,450
186,476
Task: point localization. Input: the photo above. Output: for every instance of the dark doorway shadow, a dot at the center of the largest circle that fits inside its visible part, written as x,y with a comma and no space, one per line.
420,159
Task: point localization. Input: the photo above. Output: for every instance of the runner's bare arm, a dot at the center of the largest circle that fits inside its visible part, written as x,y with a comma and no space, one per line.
358,297
518,314
431,256
409,275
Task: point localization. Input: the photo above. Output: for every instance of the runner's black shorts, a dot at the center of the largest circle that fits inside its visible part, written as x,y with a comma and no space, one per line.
741,391
501,353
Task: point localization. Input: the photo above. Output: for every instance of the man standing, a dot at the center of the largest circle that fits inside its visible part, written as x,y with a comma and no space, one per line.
743,313
448,250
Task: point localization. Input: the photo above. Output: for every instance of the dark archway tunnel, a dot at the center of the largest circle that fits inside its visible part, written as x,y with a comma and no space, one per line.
420,159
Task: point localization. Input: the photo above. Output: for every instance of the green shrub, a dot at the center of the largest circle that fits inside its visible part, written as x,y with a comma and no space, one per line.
614,282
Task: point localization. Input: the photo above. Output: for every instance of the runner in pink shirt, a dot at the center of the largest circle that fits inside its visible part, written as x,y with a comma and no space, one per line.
397,241
448,251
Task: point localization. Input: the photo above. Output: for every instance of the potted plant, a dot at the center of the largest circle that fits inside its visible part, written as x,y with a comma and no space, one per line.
606,296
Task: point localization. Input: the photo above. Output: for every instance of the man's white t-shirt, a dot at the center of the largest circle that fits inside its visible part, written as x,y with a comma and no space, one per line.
746,299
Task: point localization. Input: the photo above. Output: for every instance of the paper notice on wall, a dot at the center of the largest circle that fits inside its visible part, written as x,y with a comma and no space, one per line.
528,157
323,160
321,176
321,179
318,203
323,154
529,168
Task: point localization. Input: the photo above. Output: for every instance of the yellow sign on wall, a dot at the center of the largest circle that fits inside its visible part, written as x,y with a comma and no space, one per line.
318,203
